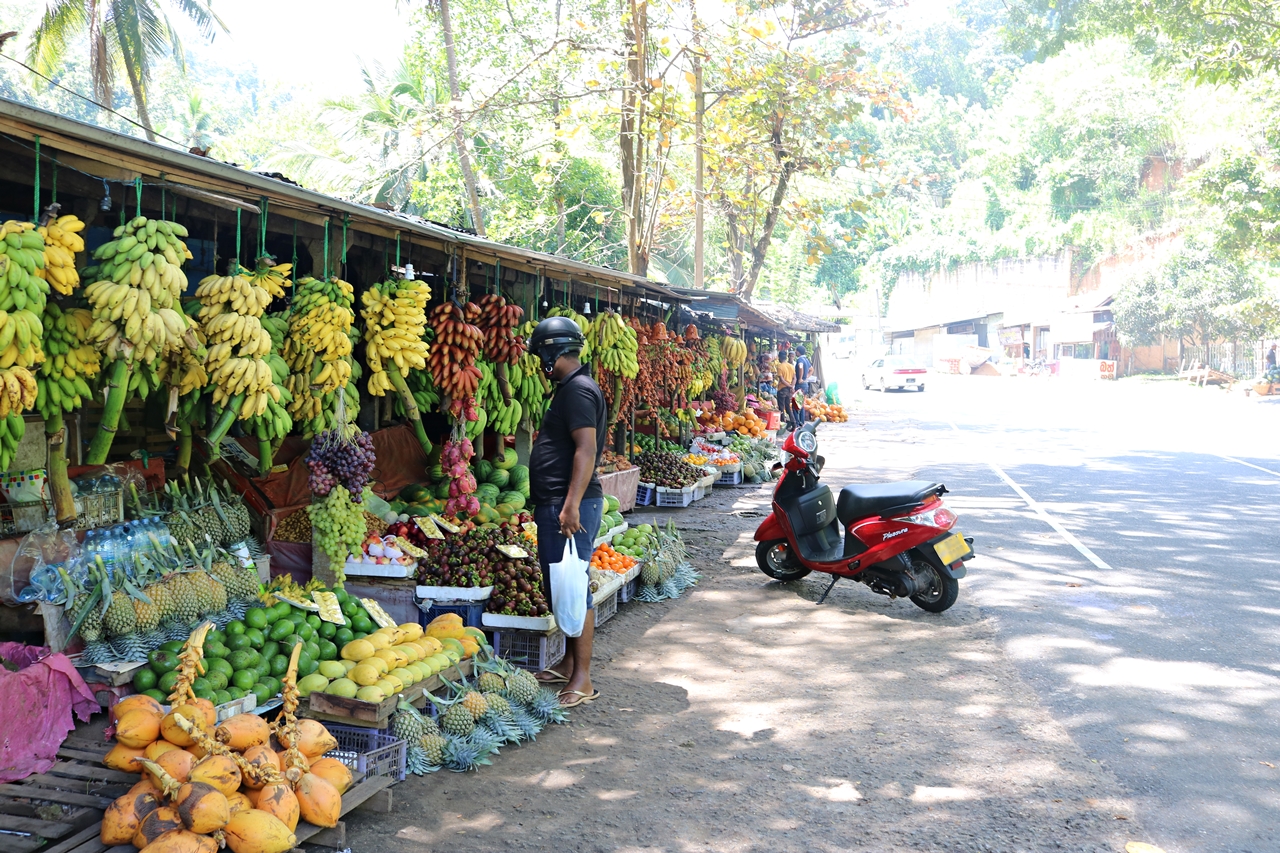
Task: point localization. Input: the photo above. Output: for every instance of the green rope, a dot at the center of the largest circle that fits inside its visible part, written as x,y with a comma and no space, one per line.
262,236
54,200
238,212
326,250
35,217
346,220
397,248
294,269
137,189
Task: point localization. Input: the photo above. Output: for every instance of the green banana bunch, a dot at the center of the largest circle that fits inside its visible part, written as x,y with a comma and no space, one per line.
583,323
22,263
69,361
614,343
528,384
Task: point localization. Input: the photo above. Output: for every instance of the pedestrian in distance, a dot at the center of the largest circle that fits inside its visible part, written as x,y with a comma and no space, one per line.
785,376
804,370
568,499
1271,357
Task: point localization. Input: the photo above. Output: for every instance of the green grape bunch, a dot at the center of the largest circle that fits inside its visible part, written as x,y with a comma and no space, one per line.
339,526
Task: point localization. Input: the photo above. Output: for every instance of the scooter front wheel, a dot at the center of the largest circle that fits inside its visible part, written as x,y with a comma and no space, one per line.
776,561
941,592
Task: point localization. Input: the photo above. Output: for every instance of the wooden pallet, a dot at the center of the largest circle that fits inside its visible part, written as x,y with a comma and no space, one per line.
353,712
371,794
77,780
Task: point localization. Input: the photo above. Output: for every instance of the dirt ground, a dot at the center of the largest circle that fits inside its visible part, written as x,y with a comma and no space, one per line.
742,717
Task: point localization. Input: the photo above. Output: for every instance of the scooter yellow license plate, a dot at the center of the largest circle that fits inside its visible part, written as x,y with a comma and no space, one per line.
951,549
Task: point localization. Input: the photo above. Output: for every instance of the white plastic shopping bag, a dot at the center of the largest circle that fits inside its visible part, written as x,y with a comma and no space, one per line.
569,579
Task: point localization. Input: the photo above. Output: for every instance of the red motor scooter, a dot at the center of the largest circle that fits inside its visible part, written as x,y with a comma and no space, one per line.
897,538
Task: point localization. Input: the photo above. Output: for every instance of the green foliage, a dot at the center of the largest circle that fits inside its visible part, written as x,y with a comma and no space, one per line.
1196,294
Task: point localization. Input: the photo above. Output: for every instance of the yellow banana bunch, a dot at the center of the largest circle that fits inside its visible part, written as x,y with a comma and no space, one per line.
733,351
230,308
69,361
395,318
18,393
62,242
317,351
614,343
22,263
132,295
273,279
583,323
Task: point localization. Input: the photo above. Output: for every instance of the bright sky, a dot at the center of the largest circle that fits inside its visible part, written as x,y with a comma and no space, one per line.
311,42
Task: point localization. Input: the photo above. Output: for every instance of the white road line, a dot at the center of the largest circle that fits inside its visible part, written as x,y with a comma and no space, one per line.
1039,510
1250,464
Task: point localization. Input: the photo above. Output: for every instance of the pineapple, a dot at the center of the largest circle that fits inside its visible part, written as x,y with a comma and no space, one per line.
120,618
433,745
91,627
522,687
245,584
407,724
475,704
147,616
498,705
457,721
650,575
490,682
234,515
180,526
186,604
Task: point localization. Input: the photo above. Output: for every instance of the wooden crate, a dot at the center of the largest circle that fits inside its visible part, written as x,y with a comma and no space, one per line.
354,712
80,784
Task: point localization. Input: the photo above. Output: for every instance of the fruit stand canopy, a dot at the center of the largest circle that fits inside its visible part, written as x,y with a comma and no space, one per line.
119,158
727,307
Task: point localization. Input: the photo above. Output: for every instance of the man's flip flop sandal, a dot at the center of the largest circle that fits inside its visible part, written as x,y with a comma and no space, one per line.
556,678
582,699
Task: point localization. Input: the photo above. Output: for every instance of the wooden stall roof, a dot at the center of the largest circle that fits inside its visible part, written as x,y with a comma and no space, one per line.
117,157
726,306
798,322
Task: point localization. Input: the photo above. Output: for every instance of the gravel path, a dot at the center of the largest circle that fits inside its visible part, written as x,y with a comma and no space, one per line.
741,717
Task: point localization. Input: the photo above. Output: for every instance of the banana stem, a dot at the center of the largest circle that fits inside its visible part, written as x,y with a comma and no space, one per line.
118,389
185,436
223,425
410,406
64,505
265,454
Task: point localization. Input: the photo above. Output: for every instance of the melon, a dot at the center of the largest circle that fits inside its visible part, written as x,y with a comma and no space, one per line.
508,460
519,474
515,499
483,469
611,503
499,478
487,493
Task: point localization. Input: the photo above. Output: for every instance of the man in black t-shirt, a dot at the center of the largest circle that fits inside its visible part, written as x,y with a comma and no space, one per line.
568,500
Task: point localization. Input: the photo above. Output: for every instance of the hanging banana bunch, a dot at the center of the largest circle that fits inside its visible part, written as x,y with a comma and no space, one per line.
238,344
70,361
614,345
500,414
318,352
733,351
583,323
22,301
62,242
272,279
395,315
529,385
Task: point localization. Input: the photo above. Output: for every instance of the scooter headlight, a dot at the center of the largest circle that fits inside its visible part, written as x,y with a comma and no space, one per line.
807,441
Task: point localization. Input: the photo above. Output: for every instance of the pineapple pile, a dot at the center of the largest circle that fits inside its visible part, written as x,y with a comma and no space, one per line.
155,596
503,705
668,571
202,514
242,784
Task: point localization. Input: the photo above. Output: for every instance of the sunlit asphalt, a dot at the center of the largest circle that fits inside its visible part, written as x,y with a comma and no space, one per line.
1129,548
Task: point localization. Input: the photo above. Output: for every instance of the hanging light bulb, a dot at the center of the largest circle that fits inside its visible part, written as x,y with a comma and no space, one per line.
106,197
586,309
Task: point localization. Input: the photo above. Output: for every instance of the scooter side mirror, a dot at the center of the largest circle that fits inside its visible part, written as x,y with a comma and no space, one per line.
819,464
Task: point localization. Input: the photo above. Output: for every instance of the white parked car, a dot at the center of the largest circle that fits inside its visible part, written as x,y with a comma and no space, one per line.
894,371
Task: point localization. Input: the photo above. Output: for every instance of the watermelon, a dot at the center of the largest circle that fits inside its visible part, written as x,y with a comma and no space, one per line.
519,475
442,489
516,499
487,493
499,478
508,460
437,473
611,503
483,469
413,492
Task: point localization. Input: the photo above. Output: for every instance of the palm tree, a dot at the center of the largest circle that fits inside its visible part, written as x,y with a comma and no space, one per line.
122,34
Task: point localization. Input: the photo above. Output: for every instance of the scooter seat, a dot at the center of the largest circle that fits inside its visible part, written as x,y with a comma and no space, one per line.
860,500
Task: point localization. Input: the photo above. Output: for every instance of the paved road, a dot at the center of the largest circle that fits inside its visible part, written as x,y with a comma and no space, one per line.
1128,545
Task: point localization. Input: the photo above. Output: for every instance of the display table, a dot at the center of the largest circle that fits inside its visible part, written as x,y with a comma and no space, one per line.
622,485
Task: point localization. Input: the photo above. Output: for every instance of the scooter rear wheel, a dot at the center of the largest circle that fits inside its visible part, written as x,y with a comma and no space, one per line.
776,561
942,592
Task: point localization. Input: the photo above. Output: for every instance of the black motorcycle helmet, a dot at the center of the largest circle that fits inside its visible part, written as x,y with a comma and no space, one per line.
555,337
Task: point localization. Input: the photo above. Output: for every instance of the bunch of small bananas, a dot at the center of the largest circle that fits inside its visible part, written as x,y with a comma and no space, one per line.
528,384
62,242
238,344
69,361
318,349
614,343
272,279
733,351
583,323
133,292
21,266
395,318
18,393
501,414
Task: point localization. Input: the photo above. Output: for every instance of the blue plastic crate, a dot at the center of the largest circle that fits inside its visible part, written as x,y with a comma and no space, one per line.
645,495
470,611
369,751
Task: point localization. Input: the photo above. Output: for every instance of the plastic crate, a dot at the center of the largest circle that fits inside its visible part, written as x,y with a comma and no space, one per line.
606,609
99,509
733,478
700,491
629,590
679,498
645,495
369,751
470,611
531,650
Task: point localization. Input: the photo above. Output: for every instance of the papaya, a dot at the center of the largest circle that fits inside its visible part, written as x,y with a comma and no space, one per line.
445,619
470,648
477,635
444,632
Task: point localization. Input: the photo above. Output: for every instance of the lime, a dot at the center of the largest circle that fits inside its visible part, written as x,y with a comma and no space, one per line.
279,665
157,695
215,650
217,680
314,621
306,632
350,608
174,646
328,650
219,665
144,679
162,661
343,635
235,626
242,659
361,623
327,630
341,595
256,637
167,681
281,629
201,683
244,679
236,692
263,692
359,635
221,697
236,642
269,649
256,617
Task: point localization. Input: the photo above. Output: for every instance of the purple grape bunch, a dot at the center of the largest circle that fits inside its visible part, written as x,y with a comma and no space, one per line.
332,460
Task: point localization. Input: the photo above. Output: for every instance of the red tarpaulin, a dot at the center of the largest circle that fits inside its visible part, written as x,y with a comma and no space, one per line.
36,713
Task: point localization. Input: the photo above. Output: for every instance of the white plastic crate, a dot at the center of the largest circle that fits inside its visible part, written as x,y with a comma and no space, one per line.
606,609
675,498
730,478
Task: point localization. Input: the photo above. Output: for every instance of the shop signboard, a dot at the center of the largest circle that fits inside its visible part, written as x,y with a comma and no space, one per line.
1010,337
